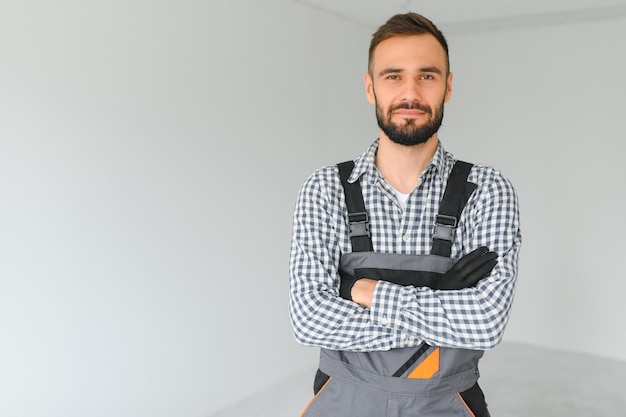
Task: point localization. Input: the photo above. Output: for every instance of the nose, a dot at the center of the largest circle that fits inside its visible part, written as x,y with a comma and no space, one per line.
412,91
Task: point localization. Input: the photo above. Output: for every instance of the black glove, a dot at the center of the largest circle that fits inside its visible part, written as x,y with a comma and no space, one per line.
345,287
470,269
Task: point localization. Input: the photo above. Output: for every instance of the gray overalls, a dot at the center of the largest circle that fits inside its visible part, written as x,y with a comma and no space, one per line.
424,381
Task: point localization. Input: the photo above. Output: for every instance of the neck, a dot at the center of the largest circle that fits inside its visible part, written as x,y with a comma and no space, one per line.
402,165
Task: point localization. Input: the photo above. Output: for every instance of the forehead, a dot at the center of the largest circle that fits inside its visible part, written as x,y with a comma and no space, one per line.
407,51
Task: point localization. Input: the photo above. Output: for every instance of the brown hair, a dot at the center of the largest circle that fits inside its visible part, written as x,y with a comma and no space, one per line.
404,25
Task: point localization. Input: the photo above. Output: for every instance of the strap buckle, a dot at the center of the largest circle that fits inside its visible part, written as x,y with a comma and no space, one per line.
445,227
359,224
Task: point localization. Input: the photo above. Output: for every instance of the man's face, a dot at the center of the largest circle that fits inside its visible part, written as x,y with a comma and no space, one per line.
409,84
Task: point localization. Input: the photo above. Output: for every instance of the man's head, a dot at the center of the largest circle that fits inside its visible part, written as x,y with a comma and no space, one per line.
408,78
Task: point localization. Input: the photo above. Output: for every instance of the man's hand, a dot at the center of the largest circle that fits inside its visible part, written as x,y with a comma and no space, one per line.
470,269
363,291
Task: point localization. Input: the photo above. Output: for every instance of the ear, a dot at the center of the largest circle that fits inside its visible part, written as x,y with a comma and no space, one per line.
369,88
448,88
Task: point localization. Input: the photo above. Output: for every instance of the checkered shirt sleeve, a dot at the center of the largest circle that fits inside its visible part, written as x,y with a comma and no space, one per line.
471,318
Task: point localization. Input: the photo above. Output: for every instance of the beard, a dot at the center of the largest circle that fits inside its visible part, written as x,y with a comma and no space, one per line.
410,133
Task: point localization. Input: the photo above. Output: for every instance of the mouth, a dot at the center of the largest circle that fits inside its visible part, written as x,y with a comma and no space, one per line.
409,113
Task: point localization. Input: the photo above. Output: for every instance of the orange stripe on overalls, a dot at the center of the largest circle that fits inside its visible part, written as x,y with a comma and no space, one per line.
428,367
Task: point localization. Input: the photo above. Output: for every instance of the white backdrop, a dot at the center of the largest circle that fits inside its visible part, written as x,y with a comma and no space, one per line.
150,155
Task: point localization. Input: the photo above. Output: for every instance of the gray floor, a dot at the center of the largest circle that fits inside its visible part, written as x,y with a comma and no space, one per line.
518,381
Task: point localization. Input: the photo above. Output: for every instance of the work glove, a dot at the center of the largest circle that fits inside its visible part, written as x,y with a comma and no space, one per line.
468,270
345,287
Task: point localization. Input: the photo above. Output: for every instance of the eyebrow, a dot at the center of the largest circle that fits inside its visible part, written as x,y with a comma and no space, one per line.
386,71
431,69
389,71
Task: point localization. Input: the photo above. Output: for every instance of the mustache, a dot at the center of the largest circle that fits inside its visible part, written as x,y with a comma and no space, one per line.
411,106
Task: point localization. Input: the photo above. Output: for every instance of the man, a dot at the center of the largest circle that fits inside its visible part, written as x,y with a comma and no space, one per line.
403,263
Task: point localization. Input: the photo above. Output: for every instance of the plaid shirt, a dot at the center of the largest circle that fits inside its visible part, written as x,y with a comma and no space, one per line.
471,318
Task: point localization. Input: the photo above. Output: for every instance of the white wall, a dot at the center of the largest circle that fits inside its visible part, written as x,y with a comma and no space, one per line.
150,156
150,153
545,105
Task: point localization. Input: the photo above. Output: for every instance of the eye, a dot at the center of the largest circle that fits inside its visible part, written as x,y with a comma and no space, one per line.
427,77
393,77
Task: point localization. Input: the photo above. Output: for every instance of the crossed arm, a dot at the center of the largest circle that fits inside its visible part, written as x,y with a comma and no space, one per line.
384,315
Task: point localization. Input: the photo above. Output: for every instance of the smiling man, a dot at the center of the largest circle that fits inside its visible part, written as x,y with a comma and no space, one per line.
412,89
404,261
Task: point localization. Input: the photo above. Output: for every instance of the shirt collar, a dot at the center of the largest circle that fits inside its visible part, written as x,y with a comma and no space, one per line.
365,166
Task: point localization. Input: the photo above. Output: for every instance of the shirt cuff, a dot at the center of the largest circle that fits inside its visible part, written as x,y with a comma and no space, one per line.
387,303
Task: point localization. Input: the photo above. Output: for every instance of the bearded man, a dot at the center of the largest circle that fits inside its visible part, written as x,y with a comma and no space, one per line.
404,261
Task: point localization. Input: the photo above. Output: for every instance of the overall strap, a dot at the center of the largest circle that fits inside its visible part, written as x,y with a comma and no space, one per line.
457,193
358,221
